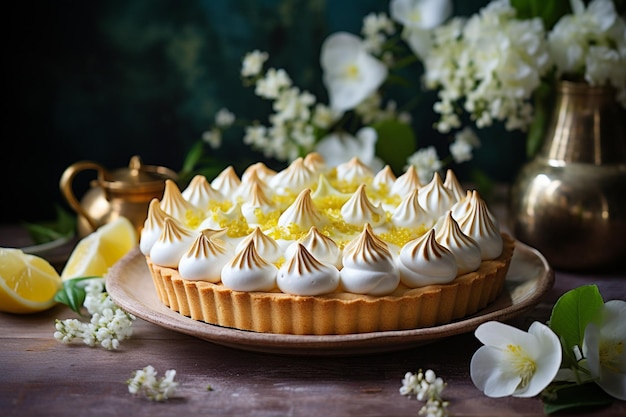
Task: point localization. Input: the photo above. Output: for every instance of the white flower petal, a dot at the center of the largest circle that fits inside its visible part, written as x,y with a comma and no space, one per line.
351,74
487,373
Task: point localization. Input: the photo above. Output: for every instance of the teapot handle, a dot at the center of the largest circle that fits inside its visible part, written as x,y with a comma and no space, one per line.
66,183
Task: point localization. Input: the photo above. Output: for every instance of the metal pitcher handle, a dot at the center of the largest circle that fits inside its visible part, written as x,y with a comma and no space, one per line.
66,185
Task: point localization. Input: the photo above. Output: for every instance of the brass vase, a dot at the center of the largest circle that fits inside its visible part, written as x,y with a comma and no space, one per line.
569,201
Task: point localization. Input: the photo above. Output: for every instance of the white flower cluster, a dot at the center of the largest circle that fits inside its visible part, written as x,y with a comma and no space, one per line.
428,387
109,324
145,382
491,62
592,41
292,130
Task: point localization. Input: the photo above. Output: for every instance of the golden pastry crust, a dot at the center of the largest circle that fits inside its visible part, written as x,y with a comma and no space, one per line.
335,313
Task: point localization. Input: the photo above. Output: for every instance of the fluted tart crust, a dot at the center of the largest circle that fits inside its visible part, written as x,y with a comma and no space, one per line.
338,312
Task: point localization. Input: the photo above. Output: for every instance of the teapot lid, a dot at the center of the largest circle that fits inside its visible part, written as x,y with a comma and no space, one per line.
137,176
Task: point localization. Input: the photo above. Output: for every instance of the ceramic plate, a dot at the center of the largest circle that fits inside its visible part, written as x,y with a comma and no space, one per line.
130,285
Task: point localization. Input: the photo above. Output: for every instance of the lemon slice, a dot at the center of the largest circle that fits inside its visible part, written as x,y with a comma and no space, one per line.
28,283
117,238
97,252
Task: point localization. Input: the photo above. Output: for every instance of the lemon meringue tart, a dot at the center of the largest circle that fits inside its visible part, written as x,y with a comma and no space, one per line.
320,251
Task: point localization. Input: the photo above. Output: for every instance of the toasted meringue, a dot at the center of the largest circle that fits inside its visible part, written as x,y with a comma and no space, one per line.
256,204
152,226
406,183
303,274
204,259
315,162
172,244
301,214
174,204
384,179
478,224
354,171
265,246
359,210
465,249
410,213
200,193
322,247
435,198
292,179
452,183
248,271
368,266
423,261
227,182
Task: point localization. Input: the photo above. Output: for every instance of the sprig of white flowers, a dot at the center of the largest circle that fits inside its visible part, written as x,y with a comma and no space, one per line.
108,326
145,382
427,387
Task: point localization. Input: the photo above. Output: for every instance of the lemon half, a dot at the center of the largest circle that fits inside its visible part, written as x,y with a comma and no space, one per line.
28,283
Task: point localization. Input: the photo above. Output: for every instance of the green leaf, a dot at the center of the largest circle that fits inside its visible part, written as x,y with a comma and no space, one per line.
193,156
572,312
575,397
543,102
72,293
549,11
62,227
396,142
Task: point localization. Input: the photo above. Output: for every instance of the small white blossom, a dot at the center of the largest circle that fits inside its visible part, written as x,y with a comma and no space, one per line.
350,73
604,348
145,382
274,81
253,63
324,116
376,28
428,387
224,118
464,143
514,362
213,137
426,163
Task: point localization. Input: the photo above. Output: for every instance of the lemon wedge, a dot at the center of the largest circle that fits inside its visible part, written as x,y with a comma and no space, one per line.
28,283
94,254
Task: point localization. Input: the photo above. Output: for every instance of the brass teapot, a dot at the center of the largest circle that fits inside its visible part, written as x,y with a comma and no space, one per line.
123,192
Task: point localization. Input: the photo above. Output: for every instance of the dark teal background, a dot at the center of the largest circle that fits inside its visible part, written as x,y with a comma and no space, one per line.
105,80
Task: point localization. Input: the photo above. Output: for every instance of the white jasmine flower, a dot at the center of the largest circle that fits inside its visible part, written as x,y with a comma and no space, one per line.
514,362
426,163
253,63
604,348
464,143
273,82
418,17
350,73
145,382
338,148
224,118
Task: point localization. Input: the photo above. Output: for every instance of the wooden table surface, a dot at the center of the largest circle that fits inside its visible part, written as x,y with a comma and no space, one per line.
40,376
